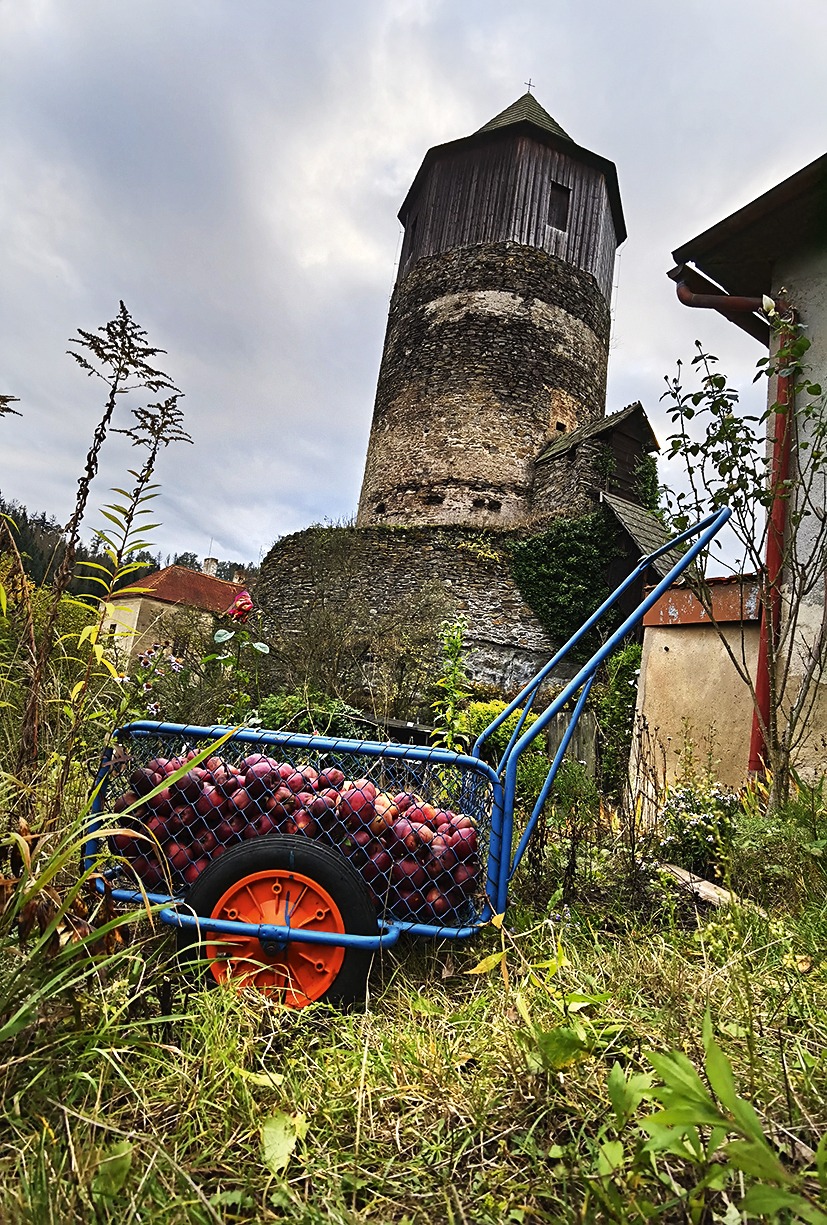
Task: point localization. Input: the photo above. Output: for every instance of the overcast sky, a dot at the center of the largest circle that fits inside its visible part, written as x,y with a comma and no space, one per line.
232,170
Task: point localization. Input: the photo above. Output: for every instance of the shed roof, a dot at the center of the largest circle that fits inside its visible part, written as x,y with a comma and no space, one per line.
633,414
179,585
736,597
645,529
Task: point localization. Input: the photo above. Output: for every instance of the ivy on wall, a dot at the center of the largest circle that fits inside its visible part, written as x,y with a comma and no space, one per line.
562,575
647,484
614,705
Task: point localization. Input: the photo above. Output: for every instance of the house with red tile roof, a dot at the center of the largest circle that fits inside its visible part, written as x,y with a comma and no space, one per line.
138,612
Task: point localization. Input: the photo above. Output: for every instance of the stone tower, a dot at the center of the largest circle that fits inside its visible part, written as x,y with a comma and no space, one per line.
498,332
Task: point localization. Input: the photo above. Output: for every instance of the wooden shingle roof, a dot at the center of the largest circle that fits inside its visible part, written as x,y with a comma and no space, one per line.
645,529
526,109
633,414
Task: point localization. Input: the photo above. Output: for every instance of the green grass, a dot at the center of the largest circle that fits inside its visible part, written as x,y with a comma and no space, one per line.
440,1102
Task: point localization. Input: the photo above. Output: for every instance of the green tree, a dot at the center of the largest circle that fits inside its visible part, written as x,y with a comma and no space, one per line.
727,463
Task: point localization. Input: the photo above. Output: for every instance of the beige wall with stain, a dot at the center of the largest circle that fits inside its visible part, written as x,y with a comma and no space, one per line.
690,691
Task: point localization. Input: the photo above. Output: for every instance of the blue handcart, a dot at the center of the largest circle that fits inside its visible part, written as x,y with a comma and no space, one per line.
286,861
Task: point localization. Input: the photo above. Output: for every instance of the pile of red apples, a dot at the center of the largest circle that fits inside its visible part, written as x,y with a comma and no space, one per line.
419,862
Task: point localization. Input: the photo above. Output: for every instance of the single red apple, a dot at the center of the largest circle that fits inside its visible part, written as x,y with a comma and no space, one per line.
194,870
409,871
330,778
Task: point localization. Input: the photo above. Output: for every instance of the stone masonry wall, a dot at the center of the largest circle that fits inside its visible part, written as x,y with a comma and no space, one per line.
487,349
506,642
568,481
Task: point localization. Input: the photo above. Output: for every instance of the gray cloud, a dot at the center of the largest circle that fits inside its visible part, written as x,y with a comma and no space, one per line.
233,172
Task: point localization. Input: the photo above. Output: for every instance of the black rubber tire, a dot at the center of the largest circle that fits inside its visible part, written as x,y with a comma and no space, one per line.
293,853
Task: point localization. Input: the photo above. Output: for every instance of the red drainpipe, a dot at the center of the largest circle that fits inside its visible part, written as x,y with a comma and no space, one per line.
782,434
718,302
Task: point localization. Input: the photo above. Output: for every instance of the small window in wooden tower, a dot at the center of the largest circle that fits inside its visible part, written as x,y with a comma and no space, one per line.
558,206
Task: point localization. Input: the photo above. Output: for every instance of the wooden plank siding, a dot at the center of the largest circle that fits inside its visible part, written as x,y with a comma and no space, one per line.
501,193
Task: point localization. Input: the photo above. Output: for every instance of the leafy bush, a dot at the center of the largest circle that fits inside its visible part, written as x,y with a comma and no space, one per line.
697,824
615,709
533,764
779,857
312,714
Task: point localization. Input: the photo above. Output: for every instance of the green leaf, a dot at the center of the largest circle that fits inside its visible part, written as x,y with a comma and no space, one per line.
666,1140
223,635
758,1160
112,519
626,1095
113,1170
765,1201
719,1071
678,1074
557,1048
576,1001
232,1199
609,1158
690,1114
821,1161
279,1135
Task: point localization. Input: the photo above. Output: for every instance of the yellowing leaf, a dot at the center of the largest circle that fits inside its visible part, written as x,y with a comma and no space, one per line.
279,1134
522,1007
267,1080
487,963
497,920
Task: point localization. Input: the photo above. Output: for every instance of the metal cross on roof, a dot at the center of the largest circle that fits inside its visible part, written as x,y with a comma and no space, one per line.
529,83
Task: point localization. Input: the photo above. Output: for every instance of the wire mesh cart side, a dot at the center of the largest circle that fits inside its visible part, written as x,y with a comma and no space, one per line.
287,860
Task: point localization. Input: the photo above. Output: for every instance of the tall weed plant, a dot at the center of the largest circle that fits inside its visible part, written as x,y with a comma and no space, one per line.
60,938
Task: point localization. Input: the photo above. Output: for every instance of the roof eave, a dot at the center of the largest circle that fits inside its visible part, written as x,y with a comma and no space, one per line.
740,253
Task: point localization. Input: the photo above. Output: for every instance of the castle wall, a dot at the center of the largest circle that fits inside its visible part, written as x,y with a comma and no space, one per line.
567,481
489,352
392,566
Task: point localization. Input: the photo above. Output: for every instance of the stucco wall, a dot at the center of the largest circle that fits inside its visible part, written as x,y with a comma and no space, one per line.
689,691
137,623
804,278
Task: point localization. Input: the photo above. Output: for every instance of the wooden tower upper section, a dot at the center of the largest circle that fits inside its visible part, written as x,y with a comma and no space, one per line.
498,331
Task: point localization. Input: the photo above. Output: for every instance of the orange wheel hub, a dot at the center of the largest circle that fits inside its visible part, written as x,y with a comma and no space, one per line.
299,973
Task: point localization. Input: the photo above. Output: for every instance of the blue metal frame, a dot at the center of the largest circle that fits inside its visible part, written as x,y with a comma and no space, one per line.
501,866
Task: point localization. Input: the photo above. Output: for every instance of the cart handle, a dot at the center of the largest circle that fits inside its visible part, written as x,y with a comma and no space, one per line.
708,527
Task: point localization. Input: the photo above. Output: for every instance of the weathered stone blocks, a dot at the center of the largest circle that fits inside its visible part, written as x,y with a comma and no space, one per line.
489,351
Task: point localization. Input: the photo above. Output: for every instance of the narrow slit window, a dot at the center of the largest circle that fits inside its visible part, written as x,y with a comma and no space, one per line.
558,206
